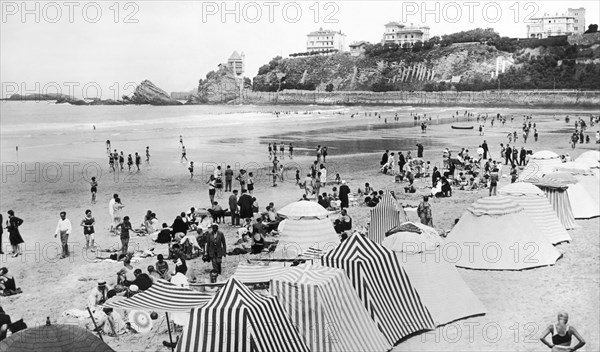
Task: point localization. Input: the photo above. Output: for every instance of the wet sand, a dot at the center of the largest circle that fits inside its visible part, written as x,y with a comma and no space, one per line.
519,304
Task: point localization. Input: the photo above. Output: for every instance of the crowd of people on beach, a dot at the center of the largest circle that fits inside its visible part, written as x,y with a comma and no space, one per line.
198,233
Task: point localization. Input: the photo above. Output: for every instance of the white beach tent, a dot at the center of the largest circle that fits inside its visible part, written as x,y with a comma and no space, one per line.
305,238
495,233
306,231
538,208
582,203
440,286
591,155
586,175
539,164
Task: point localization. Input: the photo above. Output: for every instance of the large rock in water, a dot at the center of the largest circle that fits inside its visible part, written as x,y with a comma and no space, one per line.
148,93
219,87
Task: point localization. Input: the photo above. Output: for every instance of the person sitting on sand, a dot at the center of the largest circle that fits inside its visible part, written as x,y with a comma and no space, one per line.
164,236
343,223
125,276
162,268
98,296
142,280
153,274
8,285
562,335
179,227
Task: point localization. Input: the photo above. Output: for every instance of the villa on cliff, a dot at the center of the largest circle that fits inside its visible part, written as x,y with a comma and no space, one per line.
573,22
325,40
399,33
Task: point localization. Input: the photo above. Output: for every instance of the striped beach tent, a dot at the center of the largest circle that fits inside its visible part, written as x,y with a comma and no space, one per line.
495,233
258,273
382,285
384,217
305,238
556,193
326,310
163,296
539,164
538,208
238,320
582,203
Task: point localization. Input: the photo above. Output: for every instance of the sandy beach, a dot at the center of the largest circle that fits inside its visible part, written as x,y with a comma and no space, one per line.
60,151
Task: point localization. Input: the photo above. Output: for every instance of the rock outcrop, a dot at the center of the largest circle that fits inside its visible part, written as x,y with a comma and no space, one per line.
148,93
219,87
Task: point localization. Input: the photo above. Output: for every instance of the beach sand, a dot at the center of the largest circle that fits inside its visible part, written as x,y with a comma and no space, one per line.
519,304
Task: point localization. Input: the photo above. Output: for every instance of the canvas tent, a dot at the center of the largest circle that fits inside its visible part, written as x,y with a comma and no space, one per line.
440,286
303,209
539,164
326,310
385,216
495,233
237,319
54,338
412,237
582,203
305,238
591,155
382,285
538,208
588,177
556,193
163,296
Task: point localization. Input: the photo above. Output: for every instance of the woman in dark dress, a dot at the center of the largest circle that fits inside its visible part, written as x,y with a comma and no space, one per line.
12,225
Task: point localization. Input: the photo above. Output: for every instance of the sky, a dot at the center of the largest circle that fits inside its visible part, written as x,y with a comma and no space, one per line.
105,48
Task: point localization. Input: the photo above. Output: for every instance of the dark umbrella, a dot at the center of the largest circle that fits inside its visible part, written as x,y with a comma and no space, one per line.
54,338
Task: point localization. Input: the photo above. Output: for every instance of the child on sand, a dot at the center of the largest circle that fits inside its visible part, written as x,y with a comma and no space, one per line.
297,177
191,168
338,179
94,189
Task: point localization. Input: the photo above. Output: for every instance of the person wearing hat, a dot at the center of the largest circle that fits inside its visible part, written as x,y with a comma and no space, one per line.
216,248
98,296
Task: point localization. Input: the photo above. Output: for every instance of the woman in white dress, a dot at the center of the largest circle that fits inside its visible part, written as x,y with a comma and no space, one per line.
323,171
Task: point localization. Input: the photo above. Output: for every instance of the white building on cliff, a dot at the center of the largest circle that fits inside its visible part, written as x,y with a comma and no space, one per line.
325,40
573,22
399,33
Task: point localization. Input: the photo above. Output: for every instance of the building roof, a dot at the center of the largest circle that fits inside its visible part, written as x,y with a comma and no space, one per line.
322,31
357,44
235,56
394,23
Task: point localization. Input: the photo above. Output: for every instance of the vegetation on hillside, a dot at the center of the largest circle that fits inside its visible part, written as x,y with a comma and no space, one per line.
538,64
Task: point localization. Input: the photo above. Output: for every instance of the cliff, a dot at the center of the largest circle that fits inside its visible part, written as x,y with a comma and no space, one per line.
380,71
219,87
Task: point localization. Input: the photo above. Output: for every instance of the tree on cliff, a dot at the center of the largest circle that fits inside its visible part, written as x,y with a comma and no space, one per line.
592,28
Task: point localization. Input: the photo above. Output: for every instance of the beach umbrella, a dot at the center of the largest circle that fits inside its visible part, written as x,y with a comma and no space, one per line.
140,321
303,209
54,338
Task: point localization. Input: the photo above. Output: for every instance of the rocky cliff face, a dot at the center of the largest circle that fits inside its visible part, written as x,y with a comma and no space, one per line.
148,93
219,87
347,73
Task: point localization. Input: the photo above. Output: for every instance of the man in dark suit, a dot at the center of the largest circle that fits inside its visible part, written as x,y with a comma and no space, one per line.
216,247
233,208
384,158
508,155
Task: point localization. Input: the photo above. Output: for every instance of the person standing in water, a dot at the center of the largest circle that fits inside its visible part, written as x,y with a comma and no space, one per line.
94,189
138,161
291,150
129,162
108,146
183,153
147,155
121,160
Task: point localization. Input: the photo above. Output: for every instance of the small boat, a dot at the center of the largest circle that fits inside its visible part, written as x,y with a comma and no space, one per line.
455,127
